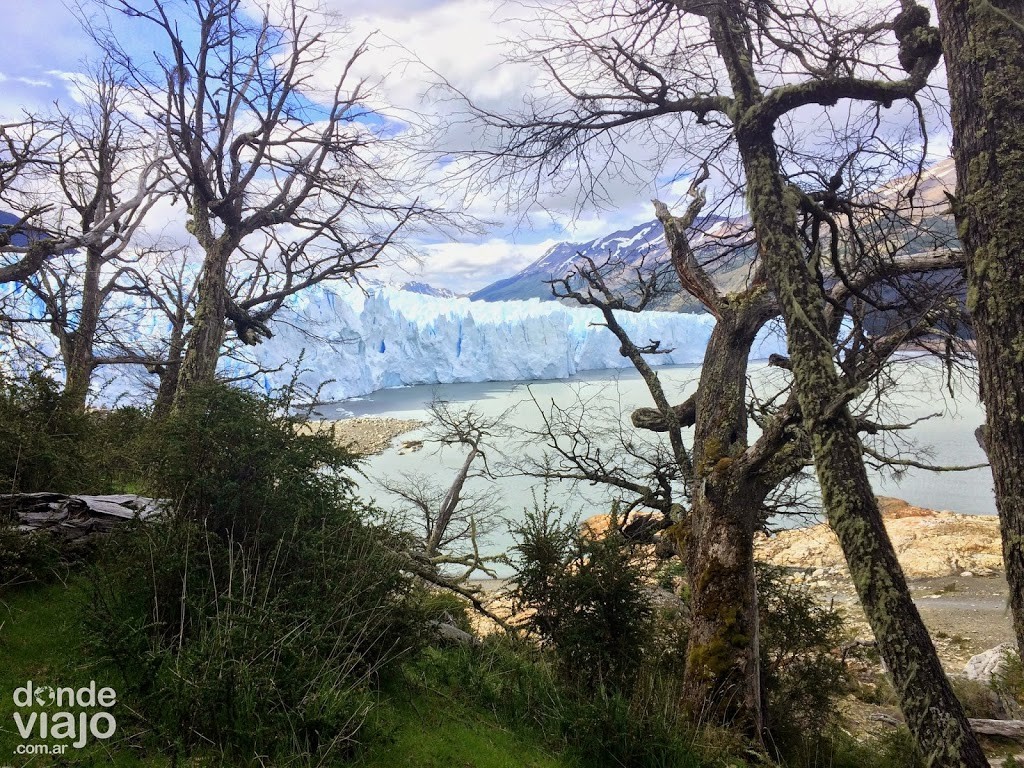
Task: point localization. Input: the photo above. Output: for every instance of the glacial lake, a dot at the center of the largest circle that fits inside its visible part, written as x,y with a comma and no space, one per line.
919,391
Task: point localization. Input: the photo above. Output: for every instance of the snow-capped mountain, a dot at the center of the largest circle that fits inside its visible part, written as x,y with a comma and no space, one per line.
643,243
646,242
415,286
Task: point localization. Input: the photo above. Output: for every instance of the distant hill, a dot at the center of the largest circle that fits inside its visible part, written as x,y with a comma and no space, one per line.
730,265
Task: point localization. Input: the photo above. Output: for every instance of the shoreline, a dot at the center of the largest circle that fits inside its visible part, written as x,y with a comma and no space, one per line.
370,435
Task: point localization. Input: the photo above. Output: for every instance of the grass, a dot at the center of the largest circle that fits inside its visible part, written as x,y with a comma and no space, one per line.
41,640
431,731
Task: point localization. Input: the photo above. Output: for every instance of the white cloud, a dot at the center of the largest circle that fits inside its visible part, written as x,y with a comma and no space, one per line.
465,267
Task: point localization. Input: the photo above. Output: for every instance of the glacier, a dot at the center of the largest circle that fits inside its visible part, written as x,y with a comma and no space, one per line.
355,343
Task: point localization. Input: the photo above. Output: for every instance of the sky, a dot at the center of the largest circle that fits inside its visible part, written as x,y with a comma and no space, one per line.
412,44
462,40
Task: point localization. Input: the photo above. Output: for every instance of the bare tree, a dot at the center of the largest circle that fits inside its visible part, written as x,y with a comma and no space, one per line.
36,152
455,520
983,43
92,166
720,80
283,191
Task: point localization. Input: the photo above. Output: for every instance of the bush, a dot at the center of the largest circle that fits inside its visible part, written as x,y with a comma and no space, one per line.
26,559
588,602
522,687
258,618
46,446
803,673
616,663
1009,684
255,652
240,464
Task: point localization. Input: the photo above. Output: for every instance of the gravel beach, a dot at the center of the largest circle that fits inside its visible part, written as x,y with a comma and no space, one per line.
367,436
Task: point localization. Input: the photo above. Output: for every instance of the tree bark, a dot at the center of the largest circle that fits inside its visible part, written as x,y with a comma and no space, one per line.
983,44
206,337
78,345
169,373
722,683
931,709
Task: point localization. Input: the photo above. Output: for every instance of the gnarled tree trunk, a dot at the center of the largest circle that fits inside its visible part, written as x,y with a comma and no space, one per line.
983,43
206,337
722,683
77,347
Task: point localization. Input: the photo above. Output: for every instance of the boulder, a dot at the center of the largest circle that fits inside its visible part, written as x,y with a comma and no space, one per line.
638,525
989,664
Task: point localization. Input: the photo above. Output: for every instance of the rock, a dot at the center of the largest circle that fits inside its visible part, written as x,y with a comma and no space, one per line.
991,663
967,575
928,543
367,435
639,525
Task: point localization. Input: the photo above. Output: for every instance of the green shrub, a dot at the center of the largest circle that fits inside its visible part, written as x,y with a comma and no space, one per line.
41,441
588,601
803,674
891,750
255,651
26,559
978,699
242,465
1009,683
257,617
521,686
47,446
437,605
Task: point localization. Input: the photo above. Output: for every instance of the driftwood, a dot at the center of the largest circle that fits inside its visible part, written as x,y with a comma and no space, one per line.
1006,729
73,517
453,635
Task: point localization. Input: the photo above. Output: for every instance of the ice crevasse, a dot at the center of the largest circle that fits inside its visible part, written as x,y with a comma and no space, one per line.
387,337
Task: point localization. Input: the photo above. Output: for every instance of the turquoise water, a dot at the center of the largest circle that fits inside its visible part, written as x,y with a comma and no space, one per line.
918,391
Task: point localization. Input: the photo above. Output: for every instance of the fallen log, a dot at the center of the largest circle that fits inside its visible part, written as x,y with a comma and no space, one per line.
1007,729
74,516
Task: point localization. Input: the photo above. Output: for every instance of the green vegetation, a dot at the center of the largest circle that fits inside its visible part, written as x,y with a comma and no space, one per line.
267,619
47,446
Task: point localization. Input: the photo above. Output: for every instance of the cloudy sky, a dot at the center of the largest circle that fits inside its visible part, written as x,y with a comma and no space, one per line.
464,41
414,42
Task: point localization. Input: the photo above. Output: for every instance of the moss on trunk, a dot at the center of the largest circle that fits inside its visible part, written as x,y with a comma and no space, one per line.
983,43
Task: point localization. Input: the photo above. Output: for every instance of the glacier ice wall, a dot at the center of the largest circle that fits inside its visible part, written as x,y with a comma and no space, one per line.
390,338
359,343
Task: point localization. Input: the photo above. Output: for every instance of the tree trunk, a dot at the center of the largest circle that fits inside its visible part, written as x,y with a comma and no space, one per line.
931,709
77,349
983,43
170,371
722,683
207,334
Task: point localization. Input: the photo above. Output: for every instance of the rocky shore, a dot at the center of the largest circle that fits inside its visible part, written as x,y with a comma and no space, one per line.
929,543
368,436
